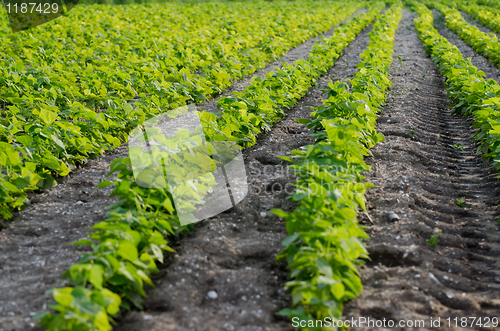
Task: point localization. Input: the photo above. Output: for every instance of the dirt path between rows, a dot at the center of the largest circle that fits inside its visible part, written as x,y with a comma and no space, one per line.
35,246
224,275
419,175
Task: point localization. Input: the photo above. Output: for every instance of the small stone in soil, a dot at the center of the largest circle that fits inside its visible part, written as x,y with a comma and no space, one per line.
392,216
212,294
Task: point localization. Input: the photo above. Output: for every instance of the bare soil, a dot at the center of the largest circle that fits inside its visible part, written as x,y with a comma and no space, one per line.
419,174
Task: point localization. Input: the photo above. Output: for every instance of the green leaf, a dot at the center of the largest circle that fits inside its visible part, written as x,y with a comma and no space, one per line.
104,184
128,251
101,321
40,315
96,276
303,121
324,267
47,116
63,296
279,213
113,301
58,142
25,140
83,242
290,239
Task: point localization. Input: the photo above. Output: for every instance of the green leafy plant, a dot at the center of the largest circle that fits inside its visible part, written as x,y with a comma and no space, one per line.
461,202
457,146
433,241
486,16
481,42
468,92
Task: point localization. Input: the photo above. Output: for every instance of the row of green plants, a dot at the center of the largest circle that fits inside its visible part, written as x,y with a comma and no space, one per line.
324,249
468,91
128,244
483,43
490,3
488,17
72,88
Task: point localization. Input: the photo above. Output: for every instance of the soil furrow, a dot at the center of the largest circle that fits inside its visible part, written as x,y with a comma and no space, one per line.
233,254
418,178
35,246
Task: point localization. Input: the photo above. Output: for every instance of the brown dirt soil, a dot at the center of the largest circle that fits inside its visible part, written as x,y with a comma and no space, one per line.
35,246
419,175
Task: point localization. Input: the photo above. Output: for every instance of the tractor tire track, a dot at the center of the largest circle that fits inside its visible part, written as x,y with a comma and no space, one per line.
427,162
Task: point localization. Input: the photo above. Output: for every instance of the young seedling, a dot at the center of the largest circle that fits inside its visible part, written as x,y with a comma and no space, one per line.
457,146
400,58
433,241
461,202
412,131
